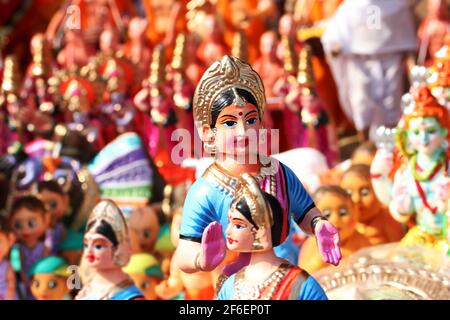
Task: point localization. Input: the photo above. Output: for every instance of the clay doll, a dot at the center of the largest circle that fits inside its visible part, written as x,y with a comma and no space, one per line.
146,273
270,68
106,252
144,228
71,248
29,221
229,105
7,276
421,184
375,222
213,46
255,226
137,49
316,130
432,30
57,203
334,203
49,278
35,87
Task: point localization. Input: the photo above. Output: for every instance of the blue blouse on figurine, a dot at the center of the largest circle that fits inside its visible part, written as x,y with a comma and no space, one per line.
209,200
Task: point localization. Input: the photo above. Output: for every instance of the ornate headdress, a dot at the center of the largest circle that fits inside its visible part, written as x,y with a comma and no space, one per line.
227,73
108,211
248,188
423,104
426,105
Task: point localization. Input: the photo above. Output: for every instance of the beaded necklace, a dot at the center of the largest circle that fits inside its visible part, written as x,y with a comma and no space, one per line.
264,290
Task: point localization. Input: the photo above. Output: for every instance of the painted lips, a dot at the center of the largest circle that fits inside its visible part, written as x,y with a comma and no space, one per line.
231,241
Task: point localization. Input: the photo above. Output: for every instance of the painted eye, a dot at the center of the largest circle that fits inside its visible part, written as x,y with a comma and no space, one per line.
343,212
349,192
229,124
18,225
326,213
52,284
251,121
85,246
364,191
431,131
239,227
52,205
147,234
32,223
99,247
36,283
145,285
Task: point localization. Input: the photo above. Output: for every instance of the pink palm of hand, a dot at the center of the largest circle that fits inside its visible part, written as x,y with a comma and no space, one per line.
213,247
328,242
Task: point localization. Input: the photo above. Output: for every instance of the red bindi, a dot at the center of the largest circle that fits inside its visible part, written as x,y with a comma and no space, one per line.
240,113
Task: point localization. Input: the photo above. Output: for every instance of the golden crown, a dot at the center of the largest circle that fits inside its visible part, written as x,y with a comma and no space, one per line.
229,72
248,188
107,210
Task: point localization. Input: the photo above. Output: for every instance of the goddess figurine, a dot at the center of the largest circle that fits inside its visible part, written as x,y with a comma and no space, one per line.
316,130
35,88
106,252
229,105
421,185
255,224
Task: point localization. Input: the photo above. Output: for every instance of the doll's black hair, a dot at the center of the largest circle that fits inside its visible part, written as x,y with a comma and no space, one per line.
28,202
50,185
105,229
277,212
227,98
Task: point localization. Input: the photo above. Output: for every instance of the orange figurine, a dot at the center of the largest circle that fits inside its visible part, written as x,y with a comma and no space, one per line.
375,222
337,206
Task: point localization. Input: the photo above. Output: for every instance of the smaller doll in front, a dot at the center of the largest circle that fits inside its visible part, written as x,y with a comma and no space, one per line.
257,224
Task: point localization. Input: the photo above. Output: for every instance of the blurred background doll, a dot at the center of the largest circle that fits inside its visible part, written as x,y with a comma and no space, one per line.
420,185
190,286
7,275
106,252
256,226
374,221
57,204
29,221
144,227
146,273
48,279
335,204
71,248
